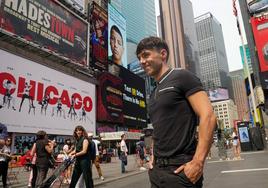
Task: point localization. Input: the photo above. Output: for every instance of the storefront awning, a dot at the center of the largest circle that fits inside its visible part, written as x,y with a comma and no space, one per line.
117,135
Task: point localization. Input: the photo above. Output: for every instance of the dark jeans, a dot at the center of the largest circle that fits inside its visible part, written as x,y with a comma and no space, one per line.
164,177
82,167
34,169
3,172
41,175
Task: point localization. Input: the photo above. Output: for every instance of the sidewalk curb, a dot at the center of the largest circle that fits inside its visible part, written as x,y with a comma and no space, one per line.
119,177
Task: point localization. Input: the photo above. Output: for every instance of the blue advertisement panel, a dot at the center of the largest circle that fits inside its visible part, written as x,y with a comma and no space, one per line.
243,134
117,48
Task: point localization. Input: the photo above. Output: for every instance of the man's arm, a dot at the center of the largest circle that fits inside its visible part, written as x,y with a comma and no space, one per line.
207,122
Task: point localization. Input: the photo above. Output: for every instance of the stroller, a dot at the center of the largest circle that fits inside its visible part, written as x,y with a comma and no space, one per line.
49,181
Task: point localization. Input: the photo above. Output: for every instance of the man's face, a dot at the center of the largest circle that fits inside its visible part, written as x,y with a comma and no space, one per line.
151,61
116,43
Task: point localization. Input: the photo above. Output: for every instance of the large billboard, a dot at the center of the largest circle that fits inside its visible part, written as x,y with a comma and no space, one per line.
260,31
218,94
110,102
134,99
98,37
77,4
48,25
34,97
117,50
255,6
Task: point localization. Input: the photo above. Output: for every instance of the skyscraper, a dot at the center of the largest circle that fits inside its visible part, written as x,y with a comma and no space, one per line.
212,55
248,59
141,22
178,29
240,94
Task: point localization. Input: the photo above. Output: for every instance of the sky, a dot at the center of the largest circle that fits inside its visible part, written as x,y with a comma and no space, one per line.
223,12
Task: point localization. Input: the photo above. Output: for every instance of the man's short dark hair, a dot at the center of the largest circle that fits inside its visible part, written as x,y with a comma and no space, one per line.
152,43
117,30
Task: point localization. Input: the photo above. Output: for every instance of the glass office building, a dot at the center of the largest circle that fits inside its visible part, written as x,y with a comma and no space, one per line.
212,54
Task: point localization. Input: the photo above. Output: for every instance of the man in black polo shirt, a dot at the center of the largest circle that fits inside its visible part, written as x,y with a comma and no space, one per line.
177,101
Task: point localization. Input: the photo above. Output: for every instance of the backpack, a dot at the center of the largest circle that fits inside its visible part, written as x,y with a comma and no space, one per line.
140,149
92,150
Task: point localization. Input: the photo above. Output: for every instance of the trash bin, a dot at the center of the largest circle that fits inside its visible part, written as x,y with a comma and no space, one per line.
256,138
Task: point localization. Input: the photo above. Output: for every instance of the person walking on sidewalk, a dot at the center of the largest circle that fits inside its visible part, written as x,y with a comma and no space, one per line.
82,163
236,145
43,149
5,157
96,161
123,153
67,149
141,152
174,107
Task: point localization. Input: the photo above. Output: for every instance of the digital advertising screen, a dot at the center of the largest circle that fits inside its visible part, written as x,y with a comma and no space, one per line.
255,6
48,25
134,99
117,49
98,19
110,101
260,31
218,94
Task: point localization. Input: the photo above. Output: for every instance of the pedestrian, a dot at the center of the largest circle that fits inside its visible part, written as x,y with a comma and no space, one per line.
82,155
5,157
33,173
67,149
236,145
175,105
123,153
44,149
96,161
141,151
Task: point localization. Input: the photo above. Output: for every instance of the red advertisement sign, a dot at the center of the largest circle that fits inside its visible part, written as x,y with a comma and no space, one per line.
260,31
110,101
47,24
98,37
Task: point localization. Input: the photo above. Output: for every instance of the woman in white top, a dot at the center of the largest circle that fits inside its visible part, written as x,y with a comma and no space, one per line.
236,145
123,153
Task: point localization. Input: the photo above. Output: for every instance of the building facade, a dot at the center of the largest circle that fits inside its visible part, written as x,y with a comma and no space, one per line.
226,111
141,22
240,94
212,54
248,60
178,29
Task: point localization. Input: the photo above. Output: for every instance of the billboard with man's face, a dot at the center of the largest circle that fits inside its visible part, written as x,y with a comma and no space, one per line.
117,49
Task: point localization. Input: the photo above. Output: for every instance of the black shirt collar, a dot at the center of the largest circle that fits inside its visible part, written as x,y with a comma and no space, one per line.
163,76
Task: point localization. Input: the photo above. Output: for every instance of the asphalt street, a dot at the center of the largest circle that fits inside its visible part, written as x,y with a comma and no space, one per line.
249,172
